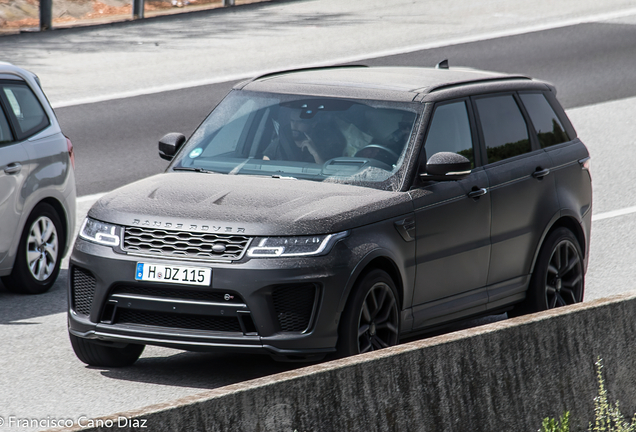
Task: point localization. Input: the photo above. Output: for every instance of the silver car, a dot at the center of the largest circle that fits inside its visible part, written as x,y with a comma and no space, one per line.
37,185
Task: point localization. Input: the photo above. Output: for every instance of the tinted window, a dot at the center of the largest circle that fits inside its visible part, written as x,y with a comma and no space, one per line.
26,109
505,130
450,132
5,132
549,129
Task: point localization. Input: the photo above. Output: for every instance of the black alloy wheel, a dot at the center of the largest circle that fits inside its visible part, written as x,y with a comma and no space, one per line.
564,279
371,320
559,276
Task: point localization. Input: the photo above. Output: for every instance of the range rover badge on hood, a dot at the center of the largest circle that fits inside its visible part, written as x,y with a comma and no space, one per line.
189,227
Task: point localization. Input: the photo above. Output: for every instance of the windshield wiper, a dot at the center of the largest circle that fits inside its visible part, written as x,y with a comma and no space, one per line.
199,170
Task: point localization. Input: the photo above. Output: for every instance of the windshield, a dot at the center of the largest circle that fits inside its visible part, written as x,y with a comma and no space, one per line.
320,139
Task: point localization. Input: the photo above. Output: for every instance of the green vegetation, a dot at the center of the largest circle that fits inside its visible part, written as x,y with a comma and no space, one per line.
607,417
552,425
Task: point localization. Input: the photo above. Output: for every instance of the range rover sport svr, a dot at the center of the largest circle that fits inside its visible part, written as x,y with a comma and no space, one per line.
335,211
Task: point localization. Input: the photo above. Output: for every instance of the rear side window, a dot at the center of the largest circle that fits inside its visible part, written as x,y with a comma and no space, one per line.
549,129
25,108
504,128
450,132
5,131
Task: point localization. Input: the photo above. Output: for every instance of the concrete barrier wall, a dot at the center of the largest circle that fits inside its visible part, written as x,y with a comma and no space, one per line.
505,376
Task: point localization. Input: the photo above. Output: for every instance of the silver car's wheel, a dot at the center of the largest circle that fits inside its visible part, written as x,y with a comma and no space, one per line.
39,254
42,248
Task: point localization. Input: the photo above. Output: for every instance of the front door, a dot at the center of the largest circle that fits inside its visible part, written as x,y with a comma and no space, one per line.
452,227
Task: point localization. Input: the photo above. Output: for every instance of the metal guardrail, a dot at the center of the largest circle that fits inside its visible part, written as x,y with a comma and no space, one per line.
46,11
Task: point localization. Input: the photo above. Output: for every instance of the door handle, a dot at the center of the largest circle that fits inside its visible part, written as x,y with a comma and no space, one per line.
477,193
13,168
540,173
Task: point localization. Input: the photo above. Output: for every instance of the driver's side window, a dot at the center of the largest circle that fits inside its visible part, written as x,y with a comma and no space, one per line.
450,131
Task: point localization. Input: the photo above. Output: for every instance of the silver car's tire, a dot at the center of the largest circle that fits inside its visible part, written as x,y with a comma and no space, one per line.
39,255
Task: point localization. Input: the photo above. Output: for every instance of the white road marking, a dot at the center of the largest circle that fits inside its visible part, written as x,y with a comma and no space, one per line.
359,57
613,213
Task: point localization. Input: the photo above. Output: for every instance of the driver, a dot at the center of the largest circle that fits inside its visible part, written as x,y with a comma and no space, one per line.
307,138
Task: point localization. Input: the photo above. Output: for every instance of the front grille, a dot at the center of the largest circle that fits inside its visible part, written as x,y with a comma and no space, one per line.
294,305
183,244
193,322
182,294
83,290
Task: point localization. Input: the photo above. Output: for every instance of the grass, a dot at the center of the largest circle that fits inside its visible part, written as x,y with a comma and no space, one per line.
607,417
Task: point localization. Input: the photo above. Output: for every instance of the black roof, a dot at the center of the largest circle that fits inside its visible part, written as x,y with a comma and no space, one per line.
385,83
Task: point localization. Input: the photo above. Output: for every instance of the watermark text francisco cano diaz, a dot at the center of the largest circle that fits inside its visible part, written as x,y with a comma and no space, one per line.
81,421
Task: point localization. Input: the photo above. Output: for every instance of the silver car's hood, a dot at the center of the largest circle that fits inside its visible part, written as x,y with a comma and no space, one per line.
247,204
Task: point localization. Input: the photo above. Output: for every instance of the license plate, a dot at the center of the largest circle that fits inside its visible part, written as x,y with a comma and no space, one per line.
173,274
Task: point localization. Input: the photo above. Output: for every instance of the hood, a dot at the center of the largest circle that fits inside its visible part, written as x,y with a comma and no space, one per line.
249,205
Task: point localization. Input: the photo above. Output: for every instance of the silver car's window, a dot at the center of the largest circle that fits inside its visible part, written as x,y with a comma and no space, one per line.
26,109
322,139
5,131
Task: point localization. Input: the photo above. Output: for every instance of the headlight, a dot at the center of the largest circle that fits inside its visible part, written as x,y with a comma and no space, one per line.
295,246
100,232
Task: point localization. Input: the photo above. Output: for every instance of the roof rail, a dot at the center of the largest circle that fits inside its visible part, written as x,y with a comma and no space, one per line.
281,72
434,88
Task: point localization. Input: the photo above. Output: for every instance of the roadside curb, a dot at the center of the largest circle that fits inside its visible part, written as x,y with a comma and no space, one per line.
506,375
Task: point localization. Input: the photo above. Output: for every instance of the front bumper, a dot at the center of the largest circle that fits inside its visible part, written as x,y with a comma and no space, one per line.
287,307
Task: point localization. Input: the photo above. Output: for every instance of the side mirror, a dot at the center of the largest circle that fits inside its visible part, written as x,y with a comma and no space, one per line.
170,144
446,166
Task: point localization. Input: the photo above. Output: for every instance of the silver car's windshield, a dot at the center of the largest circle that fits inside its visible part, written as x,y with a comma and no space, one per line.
321,139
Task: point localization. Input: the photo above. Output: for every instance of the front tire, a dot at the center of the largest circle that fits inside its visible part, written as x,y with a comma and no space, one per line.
39,255
98,354
559,275
371,319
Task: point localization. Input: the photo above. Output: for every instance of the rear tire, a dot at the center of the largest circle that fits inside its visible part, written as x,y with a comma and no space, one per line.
98,354
39,255
371,319
558,278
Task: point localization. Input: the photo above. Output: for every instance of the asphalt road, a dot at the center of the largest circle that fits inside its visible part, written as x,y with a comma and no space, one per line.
593,66
116,140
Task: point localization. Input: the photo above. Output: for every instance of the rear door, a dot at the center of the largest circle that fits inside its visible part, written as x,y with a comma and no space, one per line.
557,137
13,173
522,193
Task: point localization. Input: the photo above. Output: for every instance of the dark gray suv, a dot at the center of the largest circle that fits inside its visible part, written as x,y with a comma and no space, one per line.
337,210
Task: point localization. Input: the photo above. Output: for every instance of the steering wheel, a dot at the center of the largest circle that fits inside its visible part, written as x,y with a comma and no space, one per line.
378,152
